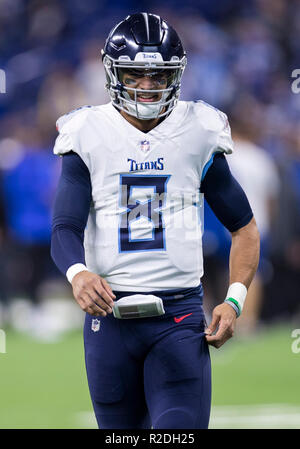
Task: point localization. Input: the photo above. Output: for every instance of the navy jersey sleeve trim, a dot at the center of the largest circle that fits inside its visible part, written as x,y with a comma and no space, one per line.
225,196
70,212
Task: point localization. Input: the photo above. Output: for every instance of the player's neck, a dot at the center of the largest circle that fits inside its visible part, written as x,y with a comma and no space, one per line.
142,125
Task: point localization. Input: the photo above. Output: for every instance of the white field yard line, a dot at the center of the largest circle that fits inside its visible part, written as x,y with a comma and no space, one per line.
85,420
258,416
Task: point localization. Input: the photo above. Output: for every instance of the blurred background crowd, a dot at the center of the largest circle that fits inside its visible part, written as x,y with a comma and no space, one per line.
241,55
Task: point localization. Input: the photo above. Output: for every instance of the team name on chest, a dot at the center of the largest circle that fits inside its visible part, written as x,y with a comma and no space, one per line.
158,164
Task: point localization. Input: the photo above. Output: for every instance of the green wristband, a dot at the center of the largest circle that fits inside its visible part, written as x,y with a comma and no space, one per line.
234,301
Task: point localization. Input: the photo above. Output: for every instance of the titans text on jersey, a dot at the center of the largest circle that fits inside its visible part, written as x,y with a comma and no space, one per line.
146,165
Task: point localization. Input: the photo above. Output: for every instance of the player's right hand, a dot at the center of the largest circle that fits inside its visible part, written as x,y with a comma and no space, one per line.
92,293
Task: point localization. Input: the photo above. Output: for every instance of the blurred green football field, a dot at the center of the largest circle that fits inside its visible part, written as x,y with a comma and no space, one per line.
255,383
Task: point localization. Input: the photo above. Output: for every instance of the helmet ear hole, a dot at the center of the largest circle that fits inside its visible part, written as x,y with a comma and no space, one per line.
107,62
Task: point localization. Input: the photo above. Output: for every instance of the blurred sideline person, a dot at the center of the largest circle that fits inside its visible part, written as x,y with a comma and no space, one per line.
27,183
256,172
285,241
3,283
127,228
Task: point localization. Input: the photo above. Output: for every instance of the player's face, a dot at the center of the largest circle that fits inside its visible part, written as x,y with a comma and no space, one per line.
145,80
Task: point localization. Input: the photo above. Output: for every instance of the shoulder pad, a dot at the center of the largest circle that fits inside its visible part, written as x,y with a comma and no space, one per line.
215,121
70,115
212,118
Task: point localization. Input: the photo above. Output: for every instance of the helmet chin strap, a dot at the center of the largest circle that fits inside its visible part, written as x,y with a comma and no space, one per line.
143,111
148,111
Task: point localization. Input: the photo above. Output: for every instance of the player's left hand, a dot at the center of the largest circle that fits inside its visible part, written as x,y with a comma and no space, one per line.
223,319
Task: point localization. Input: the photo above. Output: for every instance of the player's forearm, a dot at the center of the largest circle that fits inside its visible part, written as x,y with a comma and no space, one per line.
244,254
67,246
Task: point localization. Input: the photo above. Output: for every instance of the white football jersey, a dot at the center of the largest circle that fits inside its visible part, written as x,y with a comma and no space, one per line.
145,225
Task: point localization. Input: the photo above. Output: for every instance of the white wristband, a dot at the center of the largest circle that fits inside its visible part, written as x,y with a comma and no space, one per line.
236,294
75,269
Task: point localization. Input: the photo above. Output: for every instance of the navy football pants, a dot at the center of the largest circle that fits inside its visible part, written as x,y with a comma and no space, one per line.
151,371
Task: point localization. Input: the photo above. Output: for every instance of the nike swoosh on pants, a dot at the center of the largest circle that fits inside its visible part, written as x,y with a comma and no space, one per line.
177,320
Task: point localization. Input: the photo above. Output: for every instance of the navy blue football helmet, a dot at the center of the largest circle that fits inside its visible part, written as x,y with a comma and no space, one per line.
144,43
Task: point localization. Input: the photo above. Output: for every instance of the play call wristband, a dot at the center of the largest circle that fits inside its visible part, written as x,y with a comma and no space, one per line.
138,306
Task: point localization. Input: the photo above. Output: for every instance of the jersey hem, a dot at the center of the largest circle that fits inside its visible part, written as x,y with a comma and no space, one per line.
135,288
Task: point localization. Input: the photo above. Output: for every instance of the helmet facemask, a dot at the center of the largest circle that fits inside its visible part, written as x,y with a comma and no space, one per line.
127,98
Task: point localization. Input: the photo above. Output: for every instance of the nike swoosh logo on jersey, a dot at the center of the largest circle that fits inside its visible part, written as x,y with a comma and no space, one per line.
177,320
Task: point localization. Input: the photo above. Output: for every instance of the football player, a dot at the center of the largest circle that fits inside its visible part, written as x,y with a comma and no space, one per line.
127,232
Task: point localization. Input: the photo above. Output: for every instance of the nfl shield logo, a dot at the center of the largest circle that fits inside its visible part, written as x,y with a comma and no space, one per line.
95,325
145,146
